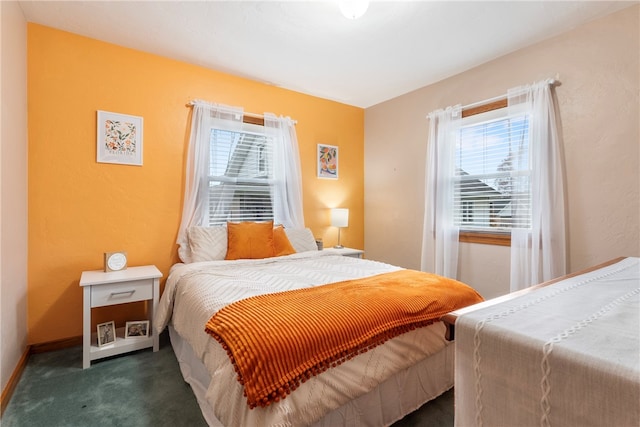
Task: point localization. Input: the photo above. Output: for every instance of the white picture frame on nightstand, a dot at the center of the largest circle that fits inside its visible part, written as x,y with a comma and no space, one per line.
106,333
137,329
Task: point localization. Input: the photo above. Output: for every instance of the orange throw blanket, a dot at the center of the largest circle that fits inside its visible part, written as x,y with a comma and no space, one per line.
276,341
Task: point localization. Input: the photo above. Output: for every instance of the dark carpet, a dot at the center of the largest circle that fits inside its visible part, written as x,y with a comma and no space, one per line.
139,389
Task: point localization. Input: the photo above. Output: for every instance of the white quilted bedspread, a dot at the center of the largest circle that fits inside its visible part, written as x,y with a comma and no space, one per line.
194,292
567,354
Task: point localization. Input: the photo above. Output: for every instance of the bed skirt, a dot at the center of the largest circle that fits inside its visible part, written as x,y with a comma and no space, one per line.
390,401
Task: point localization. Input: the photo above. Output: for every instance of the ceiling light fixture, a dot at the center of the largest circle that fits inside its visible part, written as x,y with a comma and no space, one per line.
353,9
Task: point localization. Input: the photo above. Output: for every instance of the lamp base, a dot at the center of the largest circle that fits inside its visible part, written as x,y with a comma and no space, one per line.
338,246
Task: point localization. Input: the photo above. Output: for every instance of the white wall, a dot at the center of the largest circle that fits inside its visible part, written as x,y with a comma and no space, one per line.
13,190
598,66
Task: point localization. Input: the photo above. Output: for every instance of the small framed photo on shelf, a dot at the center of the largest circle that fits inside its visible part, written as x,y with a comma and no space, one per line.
119,138
137,329
106,333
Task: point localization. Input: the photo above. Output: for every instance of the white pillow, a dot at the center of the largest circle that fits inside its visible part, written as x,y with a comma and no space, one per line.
208,243
184,252
301,239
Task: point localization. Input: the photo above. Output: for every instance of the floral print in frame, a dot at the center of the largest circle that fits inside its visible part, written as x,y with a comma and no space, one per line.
327,161
119,138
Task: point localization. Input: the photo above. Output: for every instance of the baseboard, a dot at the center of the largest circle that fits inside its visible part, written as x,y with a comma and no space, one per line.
13,381
22,363
56,345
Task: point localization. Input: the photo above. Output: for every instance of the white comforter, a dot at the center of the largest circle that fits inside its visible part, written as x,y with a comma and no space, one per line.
194,292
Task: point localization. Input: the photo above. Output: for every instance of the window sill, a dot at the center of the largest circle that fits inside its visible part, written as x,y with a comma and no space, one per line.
499,239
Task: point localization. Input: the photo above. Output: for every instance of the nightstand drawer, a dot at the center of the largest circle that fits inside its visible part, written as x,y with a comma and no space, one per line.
120,293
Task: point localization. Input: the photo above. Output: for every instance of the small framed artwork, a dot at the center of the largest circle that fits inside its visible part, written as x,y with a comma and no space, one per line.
327,158
119,138
137,329
106,333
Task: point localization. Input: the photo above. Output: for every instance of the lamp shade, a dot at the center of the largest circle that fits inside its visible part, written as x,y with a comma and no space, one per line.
340,217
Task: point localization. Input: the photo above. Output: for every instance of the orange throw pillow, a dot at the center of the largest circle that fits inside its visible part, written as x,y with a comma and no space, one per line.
249,240
281,242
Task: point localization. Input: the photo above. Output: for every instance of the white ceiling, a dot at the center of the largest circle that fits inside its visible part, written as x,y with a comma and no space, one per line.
309,47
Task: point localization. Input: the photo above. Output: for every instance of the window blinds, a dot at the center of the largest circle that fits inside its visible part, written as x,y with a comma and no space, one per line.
492,191
240,176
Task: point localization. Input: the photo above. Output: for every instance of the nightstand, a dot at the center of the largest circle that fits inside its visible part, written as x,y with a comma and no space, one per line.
354,253
101,289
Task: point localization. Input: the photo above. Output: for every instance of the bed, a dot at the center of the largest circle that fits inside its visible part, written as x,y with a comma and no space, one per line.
564,353
378,386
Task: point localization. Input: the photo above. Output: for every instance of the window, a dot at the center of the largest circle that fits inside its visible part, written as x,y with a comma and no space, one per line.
240,176
240,167
492,174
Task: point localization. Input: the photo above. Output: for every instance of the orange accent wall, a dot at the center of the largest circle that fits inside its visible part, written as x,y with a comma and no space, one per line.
79,208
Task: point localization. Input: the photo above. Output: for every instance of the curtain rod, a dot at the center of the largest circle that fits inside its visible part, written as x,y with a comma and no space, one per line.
550,82
252,115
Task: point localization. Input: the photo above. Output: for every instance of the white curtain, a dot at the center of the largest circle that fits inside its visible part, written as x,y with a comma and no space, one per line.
203,117
538,254
287,191
440,235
